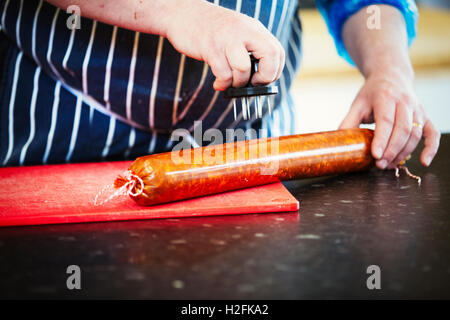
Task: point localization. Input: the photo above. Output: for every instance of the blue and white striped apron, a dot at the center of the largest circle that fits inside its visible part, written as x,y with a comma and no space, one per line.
108,93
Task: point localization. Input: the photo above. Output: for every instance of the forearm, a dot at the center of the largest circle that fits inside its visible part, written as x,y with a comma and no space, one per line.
380,49
138,15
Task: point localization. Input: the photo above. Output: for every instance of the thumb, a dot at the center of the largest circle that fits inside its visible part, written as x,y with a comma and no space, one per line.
354,117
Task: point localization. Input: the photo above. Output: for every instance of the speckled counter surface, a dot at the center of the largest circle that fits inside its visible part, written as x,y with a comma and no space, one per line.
345,224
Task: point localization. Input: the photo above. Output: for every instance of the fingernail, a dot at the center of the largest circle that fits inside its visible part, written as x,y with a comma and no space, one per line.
427,160
382,164
378,153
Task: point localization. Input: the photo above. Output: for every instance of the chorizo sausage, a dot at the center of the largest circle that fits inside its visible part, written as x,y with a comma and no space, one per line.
190,173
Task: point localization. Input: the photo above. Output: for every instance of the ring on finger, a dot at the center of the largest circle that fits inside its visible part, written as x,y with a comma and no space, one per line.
418,125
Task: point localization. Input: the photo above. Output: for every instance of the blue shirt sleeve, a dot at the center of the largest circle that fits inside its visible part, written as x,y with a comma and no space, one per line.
336,12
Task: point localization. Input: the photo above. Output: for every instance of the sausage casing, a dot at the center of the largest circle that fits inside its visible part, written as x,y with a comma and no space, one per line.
190,173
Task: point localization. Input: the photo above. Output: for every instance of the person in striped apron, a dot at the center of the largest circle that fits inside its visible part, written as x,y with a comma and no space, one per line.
120,80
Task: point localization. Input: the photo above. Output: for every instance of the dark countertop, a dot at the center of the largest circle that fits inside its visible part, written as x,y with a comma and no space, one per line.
345,224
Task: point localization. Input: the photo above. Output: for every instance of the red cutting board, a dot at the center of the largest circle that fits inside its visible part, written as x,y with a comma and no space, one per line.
65,194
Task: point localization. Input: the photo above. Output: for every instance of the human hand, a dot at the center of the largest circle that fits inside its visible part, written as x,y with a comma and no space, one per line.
388,99
223,39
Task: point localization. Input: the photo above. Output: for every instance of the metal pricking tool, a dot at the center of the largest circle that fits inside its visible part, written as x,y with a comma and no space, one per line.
245,93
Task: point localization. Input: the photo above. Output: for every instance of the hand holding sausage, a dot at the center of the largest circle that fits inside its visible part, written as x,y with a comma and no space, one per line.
388,99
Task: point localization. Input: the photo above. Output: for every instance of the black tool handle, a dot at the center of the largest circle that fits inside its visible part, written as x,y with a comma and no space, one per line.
249,90
253,69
